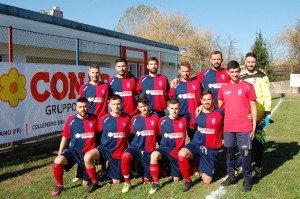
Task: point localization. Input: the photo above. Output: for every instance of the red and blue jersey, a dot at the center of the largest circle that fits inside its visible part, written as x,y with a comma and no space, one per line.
173,134
209,129
97,95
81,132
212,79
126,88
188,95
155,89
145,130
115,131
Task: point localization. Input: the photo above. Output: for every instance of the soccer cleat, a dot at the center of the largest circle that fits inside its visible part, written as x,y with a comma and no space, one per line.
228,181
75,179
186,186
92,187
57,190
247,185
126,187
154,188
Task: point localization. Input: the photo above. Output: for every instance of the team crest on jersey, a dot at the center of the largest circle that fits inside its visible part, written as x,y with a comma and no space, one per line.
223,76
180,125
239,91
102,91
254,80
91,124
213,120
128,84
160,83
124,124
152,122
194,87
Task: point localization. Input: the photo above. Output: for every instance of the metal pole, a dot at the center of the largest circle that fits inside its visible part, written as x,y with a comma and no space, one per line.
176,66
77,52
10,45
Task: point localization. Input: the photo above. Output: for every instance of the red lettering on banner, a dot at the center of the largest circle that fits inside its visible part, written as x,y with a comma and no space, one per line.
74,84
55,93
40,97
68,86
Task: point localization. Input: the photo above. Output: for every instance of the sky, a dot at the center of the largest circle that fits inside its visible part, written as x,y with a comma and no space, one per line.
237,19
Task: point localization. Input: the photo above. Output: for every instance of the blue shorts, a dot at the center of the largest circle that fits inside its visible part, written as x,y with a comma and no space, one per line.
173,162
73,157
114,165
208,157
242,140
143,156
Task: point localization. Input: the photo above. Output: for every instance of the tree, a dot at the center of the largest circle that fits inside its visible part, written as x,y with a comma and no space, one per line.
260,48
171,28
263,57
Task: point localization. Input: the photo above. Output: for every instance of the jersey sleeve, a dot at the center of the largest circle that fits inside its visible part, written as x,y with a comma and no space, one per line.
81,94
220,94
66,131
199,76
139,86
252,95
159,127
171,93
100,123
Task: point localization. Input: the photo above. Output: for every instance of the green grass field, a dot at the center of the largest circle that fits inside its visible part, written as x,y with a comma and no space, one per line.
31,177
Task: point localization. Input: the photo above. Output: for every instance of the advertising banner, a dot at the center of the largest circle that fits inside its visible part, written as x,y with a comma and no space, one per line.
36,99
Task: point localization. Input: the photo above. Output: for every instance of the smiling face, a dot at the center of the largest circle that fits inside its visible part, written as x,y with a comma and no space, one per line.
234,74
250,63
207,101
94,74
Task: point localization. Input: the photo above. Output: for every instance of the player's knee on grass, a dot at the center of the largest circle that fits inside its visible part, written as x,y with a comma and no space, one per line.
176,179
115,181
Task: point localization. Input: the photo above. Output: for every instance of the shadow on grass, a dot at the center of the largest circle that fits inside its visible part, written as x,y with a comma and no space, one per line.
276,154
13,174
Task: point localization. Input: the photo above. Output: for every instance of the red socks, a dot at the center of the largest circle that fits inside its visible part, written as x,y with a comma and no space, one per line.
184,166
92,174
125,166
154,169
58,171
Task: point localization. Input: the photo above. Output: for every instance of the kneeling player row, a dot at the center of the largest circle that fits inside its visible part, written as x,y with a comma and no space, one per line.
147,129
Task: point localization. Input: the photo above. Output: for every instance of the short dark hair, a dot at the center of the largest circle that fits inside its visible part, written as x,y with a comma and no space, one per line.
82,99
251,54
152,59
95,66
121,59
115,97
173,101
144,100
186,64
233,64
206,92
215,53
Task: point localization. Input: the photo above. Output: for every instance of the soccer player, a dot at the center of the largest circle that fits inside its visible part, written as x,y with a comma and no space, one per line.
187,91
206,142
144,127
155,87
212,78
80,129
172,128
96,92
115,128
124,85
260,81
240,101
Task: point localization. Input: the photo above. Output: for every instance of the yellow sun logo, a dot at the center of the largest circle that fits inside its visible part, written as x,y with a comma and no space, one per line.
12,87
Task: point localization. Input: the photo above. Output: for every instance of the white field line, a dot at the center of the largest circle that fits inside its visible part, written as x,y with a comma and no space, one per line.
221,191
